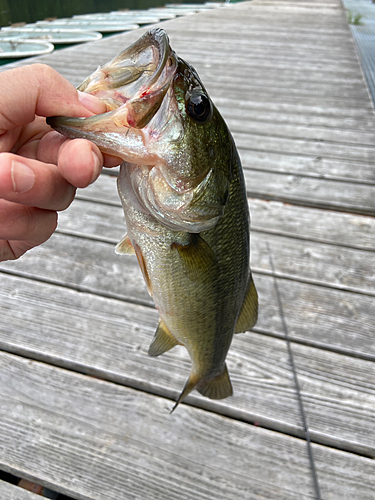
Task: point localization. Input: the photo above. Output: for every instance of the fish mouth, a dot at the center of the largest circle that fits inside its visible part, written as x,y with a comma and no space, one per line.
144,88
133,86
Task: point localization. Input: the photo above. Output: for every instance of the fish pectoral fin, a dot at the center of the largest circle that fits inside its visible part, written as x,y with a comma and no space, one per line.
189,386
124,246
249,310
197,256
142,265
163,341
219,387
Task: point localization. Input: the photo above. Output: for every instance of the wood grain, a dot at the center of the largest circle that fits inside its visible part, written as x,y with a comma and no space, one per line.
11,492
109,339
343,229
287,79
120,443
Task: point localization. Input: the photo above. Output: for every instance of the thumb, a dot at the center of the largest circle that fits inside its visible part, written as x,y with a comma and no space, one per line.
38,89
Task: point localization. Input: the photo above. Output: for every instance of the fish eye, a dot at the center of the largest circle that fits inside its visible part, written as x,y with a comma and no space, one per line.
199,107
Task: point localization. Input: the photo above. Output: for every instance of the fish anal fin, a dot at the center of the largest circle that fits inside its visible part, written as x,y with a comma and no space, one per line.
124,246
189,386
142,265
197,256
249,310
163,340
219,387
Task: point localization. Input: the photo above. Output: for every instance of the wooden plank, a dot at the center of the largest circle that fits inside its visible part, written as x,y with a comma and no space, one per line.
120,443
332,138
306,147
309,191
272,138
309,261
100,221
354,231
61,259
109,339
299,189
277,41
259,83
344,229
317,315
318,167
345,116
250,70
106,222
11,492
104,219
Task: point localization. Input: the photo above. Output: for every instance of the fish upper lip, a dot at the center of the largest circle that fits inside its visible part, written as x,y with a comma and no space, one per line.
132,92
138,77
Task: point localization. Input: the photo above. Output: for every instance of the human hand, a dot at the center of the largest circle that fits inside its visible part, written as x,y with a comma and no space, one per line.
40,169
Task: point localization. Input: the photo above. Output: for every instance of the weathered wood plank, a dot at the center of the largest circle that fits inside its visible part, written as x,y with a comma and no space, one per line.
318,167
329,145
10,492
109,339
345,116
120,443
309,191
306,147
106,222
340,117
316,314
309,261
331,139
297,188
345,229
272,77
85,429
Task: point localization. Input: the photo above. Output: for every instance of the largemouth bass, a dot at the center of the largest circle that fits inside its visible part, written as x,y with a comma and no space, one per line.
183,193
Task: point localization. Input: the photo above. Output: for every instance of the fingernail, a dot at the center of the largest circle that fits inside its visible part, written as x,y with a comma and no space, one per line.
92,103
23,177
97,167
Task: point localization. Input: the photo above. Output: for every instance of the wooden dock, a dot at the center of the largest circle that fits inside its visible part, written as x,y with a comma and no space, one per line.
84,410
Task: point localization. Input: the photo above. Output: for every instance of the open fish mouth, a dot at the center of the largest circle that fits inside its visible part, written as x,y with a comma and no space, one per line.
159,121
133,86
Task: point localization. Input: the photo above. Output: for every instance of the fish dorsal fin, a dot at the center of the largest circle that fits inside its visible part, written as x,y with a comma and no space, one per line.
219,387
124,246
163,340
249,309
189,386
197,256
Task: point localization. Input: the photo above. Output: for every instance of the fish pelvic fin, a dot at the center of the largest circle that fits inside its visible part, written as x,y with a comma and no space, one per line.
124,246
249,310
219,387
163,340
189,386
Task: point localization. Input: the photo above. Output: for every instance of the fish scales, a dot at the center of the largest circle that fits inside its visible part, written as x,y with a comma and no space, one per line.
182,189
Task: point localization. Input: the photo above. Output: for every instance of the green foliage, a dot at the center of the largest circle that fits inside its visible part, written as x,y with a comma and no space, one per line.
29,11
354,18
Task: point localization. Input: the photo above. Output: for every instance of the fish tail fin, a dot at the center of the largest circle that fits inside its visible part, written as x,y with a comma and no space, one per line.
189,386
219,387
